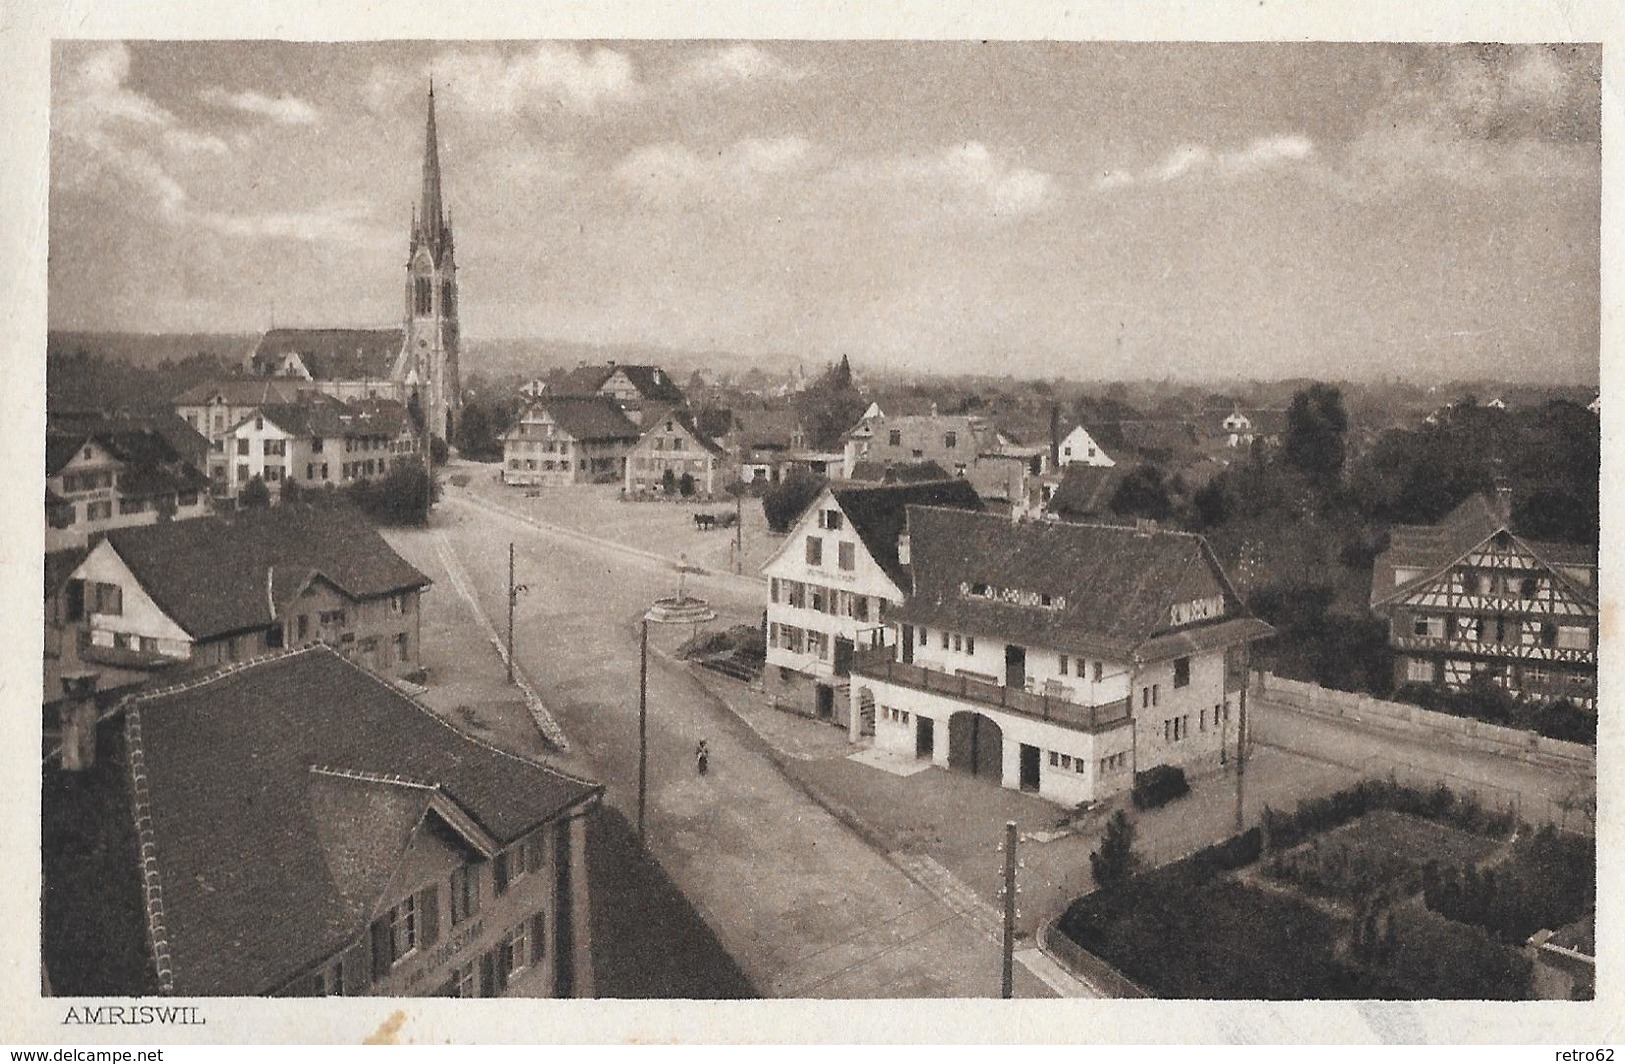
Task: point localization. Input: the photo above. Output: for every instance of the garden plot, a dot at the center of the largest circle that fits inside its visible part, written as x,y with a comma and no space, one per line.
1381,852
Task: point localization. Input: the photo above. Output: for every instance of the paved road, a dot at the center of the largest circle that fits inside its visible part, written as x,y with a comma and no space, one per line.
805,906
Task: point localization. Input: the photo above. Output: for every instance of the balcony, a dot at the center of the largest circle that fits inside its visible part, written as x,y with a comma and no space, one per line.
878,664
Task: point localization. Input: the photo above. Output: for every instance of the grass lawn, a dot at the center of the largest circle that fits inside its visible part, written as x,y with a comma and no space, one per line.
1383,850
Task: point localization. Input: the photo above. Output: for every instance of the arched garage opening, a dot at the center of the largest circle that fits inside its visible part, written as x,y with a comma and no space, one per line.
976,745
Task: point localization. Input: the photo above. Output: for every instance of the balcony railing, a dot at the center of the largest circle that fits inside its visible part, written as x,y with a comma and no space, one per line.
879,665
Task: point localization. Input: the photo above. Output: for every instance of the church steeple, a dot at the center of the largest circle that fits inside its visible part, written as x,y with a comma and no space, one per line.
431,221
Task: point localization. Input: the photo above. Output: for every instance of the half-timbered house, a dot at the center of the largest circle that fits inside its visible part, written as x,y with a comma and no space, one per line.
1469,595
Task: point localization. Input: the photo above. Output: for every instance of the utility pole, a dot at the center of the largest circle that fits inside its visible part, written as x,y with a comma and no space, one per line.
739,532
1008,989
513,600
643,723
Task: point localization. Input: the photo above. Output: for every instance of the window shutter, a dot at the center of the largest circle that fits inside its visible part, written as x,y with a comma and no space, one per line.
533,855
538,937
383,950
504,963
355,971
488,974
428,915
76,600
499,873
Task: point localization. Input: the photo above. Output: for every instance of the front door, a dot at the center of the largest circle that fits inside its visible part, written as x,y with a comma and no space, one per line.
925,738
1029,767
1015,666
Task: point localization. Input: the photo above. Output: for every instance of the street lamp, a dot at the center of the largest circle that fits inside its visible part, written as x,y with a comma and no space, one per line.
678,609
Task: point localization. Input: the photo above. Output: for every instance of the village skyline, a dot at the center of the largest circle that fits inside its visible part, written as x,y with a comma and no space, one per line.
939,206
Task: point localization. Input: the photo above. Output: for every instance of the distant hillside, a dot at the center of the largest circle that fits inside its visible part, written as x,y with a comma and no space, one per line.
151,349
504,356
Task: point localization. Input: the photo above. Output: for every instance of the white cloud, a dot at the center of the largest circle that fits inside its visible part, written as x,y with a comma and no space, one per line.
1192,160
547,77
671,171
342,222
965,177
738,64
187,142
284,110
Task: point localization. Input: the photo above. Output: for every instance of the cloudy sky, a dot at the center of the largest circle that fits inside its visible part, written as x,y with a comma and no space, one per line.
1088,210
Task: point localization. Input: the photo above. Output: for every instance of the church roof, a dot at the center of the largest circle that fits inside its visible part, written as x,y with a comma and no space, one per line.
331,354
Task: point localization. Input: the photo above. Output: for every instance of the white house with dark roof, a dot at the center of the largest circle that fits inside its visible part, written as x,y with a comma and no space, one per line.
113,477
1058,658
840,565
295,826
224,589
562,440
1079,448
320,441
672,441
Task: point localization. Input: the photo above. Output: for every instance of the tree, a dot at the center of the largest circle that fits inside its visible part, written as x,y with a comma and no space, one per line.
839,377
475,433
1115,861
1316,425
784,503
1142,493
292,493
668,481
685,485
254,495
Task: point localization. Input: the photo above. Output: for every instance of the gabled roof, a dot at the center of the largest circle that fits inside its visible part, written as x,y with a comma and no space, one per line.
59,565
1110,590
322,415
683,420
244,391
1152,438
653,383
1431,549
151,465
878,513
1085,490
715,422
190,444
281,795
210,575
583,417
331,354
769,428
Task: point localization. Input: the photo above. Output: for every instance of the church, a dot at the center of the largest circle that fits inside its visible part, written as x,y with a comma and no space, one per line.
416,364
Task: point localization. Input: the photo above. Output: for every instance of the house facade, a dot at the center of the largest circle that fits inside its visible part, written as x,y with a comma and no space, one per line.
1057,658
102,480
673,442
1079,448
1470,596
319,442
565,440
842,562
216,408
371,849
222,590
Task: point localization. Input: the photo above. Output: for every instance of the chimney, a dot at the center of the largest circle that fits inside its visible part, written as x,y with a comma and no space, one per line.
78,719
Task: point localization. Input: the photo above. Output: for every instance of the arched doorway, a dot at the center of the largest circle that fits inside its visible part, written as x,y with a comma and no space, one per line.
976,745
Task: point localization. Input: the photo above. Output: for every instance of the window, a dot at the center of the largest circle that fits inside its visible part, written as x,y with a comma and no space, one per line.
242,446
109,599
1054,759
1063,664
1418,670
1182,672
895,437
403,928
402,649
830,520
276,446
815,551
99,511
242,471
970,644
462,983
959,642
1066,760
1156,692
860,607
847,555
324,470
945,640
303,626
465,892
1145,697
310,471
316,445
1100,668
950,440
131,506
1570,637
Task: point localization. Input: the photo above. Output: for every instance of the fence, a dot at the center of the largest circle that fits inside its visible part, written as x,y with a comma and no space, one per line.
1400,716
1090,969
879,666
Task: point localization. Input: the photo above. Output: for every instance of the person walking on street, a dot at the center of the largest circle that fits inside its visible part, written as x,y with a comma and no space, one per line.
702,757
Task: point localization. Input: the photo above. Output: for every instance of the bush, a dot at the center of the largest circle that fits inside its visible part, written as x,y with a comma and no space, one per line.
401,497
438,451
1548,881
1486,700
1115,861
254,495
1159,786
685,484
1238,851
784,502
668,482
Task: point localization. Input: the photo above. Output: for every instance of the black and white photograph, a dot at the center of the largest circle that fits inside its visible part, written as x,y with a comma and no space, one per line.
708,516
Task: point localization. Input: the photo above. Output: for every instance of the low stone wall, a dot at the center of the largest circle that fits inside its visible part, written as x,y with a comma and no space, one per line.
1401,716
1089,969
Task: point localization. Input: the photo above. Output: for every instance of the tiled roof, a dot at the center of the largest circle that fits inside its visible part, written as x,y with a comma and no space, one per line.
1110,588
653,383
879,513
900,473
331,354
244,391
59,565
682,418
768,428
1431,548
282,794
1161,439
584,418
1085,490
330,418
151,464
210,574
186,441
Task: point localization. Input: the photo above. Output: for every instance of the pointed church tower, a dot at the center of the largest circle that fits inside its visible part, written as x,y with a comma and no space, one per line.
428,362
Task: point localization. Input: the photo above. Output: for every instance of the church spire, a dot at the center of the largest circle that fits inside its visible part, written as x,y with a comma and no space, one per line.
430,216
